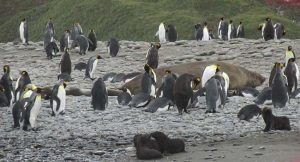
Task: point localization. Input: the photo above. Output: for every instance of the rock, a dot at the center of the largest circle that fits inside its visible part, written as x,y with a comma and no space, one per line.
100,153
258,153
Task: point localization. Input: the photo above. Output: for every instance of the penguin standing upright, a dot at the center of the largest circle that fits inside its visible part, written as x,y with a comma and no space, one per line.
76,31
48,37
152,56
83,43
99,95
206,36
268,30
148,81
113,47
183,91
209,72
91,67
198,32
93,40
51,50
32,110
50,25
231,30
222,29
65,40
65,63
279,31
58,99
6,82
21,83
24,31
214,95
161,33
280,94
171,33
290,72
240,32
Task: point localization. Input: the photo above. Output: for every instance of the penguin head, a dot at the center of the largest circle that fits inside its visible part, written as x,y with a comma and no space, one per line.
24,73
196,81
67,31
157,45
6,69
168,72
30,87
151,72
197,26
267,111
222,18
291,60
205,23
289,48
23,20
92,30
260,27
2,88
218,68
64,84
147,68
39,90
99,57
241,22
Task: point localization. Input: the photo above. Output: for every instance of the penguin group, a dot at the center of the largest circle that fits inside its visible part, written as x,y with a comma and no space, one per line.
270,31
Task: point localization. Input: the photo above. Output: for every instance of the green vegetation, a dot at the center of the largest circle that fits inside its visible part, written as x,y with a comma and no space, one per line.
136,19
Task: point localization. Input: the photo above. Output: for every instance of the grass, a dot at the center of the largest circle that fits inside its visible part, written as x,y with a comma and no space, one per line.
136,19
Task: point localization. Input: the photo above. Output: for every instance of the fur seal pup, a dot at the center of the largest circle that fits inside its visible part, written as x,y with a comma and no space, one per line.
268,30
275,122
290,72
93,40
214,95
231,30
167,144
99,95
240,32
148,81
65,63
280,94
146,148
152,56
21,83
64,41
183,91
113,47
198,32
124,97
248,112
80,66
265,94
58,99
51,50
279,31
32,110
171,33
161,33
91,67
23,29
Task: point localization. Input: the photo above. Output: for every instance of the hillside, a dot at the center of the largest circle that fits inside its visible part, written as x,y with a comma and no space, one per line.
135,19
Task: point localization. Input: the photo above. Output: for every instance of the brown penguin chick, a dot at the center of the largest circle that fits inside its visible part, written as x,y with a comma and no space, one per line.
146,148
167,144
275,122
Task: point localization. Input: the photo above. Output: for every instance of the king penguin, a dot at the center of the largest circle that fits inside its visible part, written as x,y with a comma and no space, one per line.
214,95
198,32
279,31
183,91
290,72
99,95
76,31
206,36
32,110
51,50
280,94
23,29
93,40
152,56
222,29
209,72
48,37
289,54
83,43
58,99
113,47
91,67
240,32
50,25
21,83
161,33
65,63
171,33
231,30
6,82
268,30
65,41
148,81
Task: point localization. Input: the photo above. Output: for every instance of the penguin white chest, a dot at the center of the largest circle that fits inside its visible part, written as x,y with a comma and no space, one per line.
207,74
93,68
21,29
162,33
205,34
229,31
35,110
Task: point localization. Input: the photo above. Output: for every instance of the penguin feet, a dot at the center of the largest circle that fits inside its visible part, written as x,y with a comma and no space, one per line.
62,113
92,79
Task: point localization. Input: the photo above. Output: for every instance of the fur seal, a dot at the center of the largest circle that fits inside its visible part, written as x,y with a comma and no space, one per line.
146,148
167,144
275,122
248,112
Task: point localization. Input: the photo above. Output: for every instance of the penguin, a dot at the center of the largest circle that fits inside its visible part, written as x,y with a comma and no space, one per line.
183,91
50,25
93,40
80,66
91,67
272,74
18,112
152,56
113,47
21,83
290,72
247,92
289,54
280,94
83,43
222,29
167,86
65,63
128,77
99,95
48,37
198,32
32,110
158,104
65,41
214,96
240,32
279,31
3,99
211,34
231,30
28,91
148,81
161,33
205,32
197,98
58,99
248,112
6,82
268,30
209,72
109,76
140,100
51,50
275,122
65,77
23,29
167,144
171,33
265,94
118,78
222,81
124,97
76,31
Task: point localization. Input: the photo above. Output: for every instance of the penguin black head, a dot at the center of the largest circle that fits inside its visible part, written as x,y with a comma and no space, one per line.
222,18
268,19
24,73
205,23
241,22
2,88
197,26
92,30
218,68
168,72
67,30
230,21
6,69
99,57
23,20
157,45
196,81
147,68
289,48
64,84
38,90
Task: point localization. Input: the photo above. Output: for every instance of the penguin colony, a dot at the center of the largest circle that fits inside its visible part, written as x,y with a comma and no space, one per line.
175,91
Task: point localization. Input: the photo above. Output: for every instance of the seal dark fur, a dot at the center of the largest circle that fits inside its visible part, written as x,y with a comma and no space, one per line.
275,122
146,148
167,144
